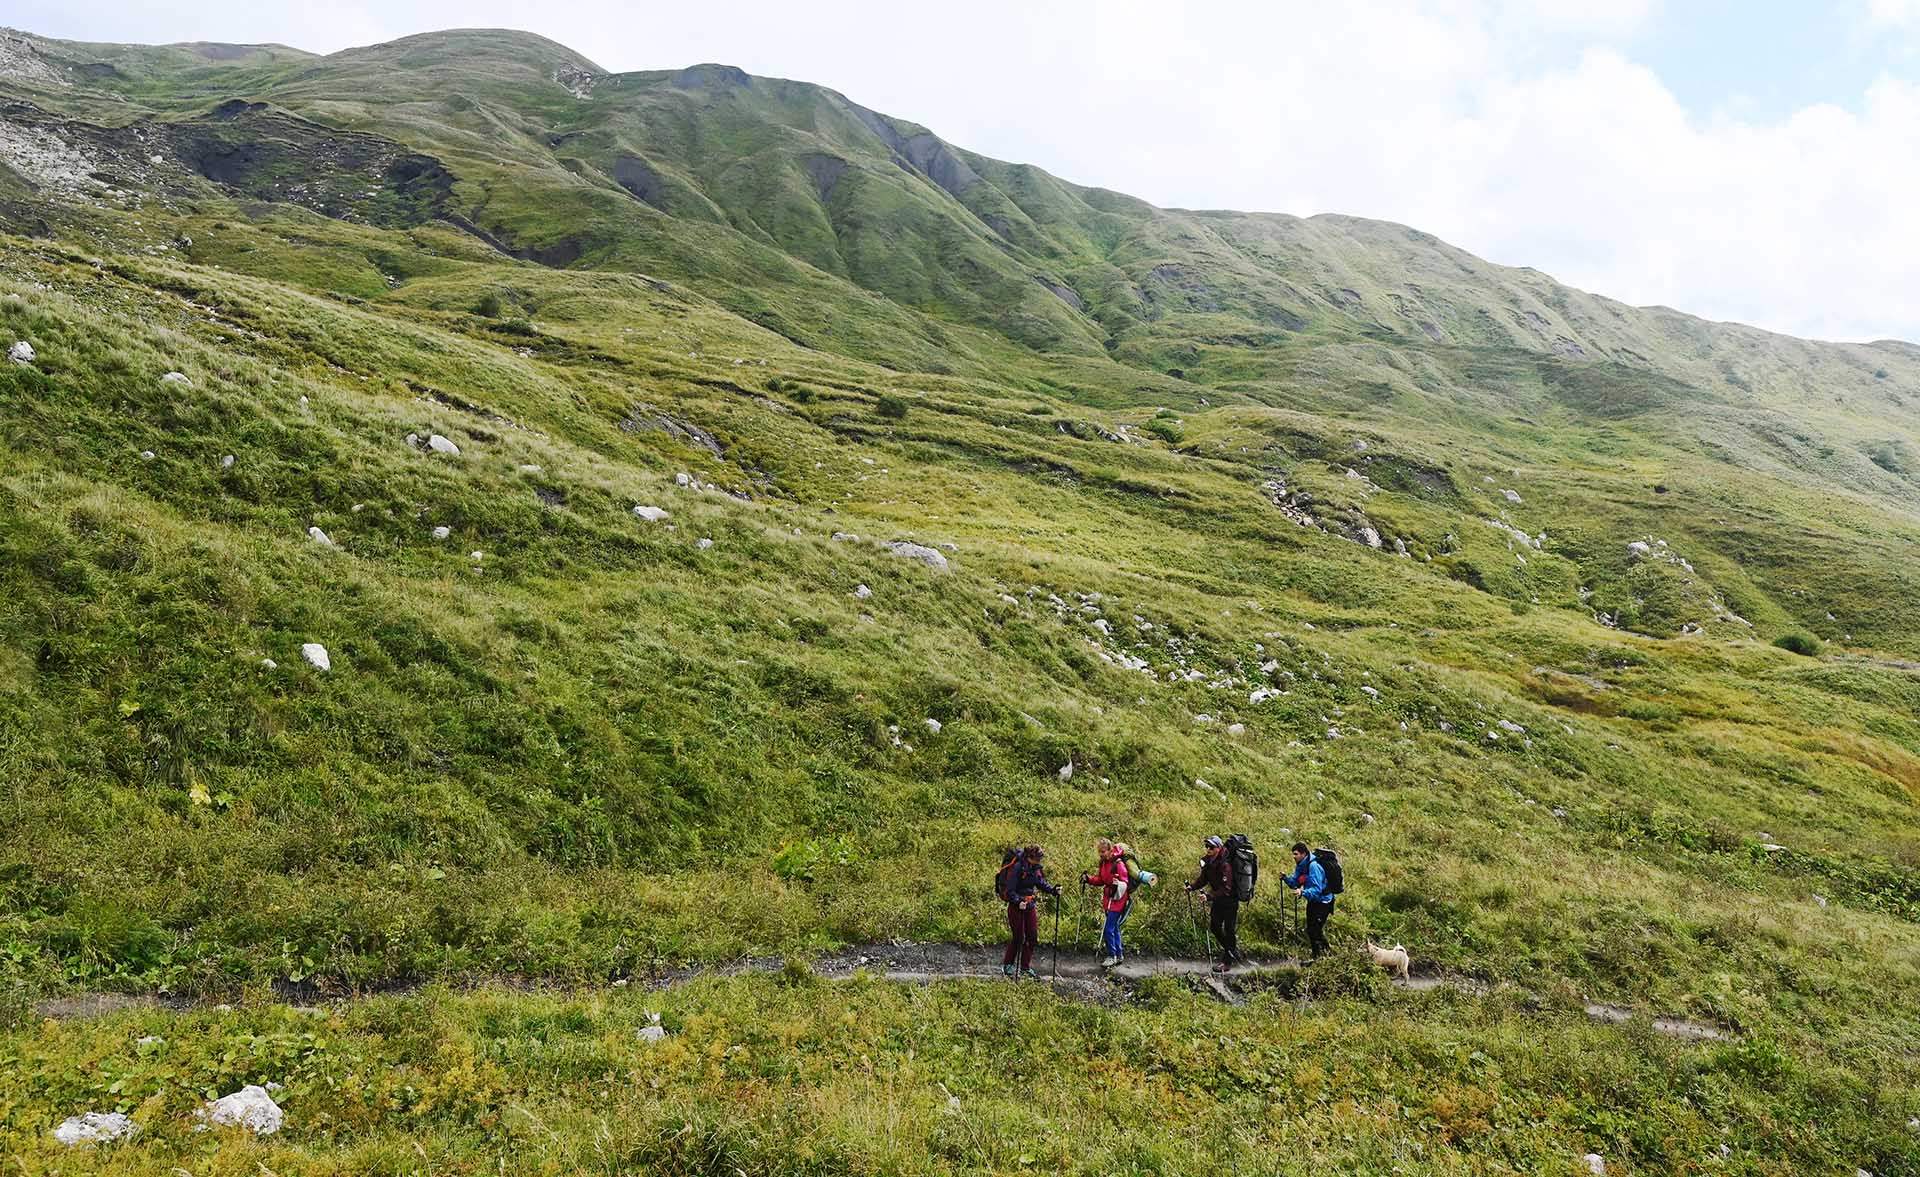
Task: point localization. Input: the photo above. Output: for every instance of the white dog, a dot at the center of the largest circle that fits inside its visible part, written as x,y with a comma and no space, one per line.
1393,959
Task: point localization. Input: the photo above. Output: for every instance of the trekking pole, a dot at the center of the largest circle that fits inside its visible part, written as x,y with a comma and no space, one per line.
1056,937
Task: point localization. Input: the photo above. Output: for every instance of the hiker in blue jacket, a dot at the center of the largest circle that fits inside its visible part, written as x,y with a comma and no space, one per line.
1310,879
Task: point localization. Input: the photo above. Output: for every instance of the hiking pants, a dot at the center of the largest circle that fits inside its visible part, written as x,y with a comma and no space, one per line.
1317,912
1223,917
1112,933
1024,923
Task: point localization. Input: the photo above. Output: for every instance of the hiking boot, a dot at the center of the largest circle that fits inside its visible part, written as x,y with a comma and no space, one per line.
1222,967
1109,962
1008,969
1030,975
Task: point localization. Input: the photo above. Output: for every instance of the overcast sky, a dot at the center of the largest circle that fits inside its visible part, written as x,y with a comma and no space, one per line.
1755,160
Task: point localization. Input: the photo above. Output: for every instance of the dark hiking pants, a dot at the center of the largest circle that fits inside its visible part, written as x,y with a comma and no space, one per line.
1317,913
1024,924
1223,919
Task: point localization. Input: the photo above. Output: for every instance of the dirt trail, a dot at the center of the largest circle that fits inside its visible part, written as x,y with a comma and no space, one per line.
1079,974
1076,975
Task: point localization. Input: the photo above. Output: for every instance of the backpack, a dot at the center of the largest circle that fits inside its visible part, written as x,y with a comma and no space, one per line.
1137,874
1245,865
1330,863
1003,879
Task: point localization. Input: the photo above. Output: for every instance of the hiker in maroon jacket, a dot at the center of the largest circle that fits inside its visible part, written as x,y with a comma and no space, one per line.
1223,916
1026,880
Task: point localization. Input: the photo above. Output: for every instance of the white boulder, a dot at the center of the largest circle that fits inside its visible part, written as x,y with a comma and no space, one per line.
94,1128
226,461
175,378
1066,771
931,557
1512,496
1639,549
933,725
319,537
146,455
251,1108
21,353
269,664
1236,729
703,543
1596,1164
442,532
862,593
845,537
650,514
441,445
316,656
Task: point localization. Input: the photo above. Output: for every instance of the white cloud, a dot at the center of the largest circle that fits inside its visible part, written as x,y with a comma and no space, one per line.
1898,13
1518,129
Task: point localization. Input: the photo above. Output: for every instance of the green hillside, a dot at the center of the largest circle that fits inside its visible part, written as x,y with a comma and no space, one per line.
575,417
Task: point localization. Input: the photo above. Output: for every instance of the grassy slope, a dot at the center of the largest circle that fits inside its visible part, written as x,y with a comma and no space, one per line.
599,747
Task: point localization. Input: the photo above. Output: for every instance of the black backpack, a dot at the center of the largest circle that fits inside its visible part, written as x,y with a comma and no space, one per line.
1330,863
1244,864
1003,879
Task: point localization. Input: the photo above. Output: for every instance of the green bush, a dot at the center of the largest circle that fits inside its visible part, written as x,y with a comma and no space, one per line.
490,305
1798,642
891,407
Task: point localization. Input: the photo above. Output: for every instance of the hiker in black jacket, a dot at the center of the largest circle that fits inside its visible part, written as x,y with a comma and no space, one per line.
1223,907
1026,881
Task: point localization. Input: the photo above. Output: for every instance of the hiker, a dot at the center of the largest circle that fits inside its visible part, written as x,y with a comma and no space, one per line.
1223,904
1113,878
1023,880
1310,879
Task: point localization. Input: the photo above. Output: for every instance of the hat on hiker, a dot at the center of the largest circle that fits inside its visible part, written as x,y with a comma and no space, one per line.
1035,853
1214,842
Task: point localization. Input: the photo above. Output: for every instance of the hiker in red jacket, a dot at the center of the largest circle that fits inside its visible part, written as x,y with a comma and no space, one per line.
1026,881
1113,879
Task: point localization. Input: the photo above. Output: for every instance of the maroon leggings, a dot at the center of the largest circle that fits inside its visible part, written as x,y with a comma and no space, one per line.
1024,923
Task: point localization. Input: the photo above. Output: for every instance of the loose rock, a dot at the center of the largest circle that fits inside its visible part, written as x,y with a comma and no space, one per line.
250,1108
21,352
650,514
319,537
94,1128
653,1031
316,656
1596,1164
441,445
442,532
931,557
862,593
175,378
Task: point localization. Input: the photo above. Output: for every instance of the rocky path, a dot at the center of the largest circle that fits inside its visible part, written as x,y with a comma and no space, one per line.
1075,974
1078,974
